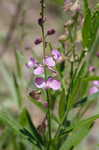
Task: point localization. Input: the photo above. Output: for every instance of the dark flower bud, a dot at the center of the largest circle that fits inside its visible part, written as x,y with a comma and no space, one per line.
92,69
40,21
51,32
97,54
38,41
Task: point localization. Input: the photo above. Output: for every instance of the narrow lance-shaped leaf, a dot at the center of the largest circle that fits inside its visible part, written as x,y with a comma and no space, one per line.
76,137
35,133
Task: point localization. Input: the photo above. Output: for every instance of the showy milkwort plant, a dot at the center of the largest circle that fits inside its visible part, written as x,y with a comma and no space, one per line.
63,77
65,82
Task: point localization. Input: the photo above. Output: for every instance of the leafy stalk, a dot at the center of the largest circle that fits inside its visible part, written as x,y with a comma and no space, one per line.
44,49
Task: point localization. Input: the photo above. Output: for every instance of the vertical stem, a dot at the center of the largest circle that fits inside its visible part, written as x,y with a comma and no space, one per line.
44,48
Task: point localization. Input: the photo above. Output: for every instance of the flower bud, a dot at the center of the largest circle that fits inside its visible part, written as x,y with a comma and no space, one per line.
51,32
46,104
97,54
40,21
37,41
92,69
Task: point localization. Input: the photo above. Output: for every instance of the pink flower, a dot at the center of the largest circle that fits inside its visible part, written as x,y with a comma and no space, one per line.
31,63
56,55
95,83
92,69
50,83
49,61
40,82
53,83
97,54
39,70
93,90
46,104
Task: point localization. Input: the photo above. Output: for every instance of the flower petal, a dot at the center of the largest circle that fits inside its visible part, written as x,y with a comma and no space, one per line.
92,69
93,90
57,55
53,83
40,82
49,61
39,70
46,104
31,63
96,83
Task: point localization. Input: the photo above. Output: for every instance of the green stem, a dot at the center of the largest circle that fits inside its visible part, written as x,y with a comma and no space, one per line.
45,73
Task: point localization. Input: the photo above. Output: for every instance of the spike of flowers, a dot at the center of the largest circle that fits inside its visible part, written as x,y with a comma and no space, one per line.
38,69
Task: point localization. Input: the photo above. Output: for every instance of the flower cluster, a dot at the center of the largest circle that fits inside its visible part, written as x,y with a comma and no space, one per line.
94,88
39,69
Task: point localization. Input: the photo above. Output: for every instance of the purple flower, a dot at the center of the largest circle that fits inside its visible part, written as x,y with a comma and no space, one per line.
51,32
46,104
93,90
49,61
40,82
39,70
57,55
31,63
97,54
53,84
92,69
38,41
95,83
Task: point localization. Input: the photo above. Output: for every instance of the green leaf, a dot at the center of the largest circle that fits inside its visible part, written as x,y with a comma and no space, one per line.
34,131
87,30
23,117
76,124
90,26
90,78
17,89
86,8
87,99
75,138
59,1
62,105
79,130
77,87
95,24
